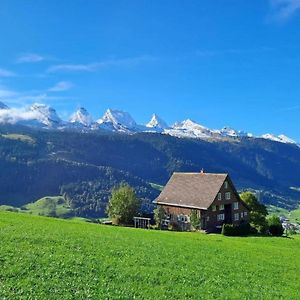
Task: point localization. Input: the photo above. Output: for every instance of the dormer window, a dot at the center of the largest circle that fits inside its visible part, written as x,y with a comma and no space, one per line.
226,184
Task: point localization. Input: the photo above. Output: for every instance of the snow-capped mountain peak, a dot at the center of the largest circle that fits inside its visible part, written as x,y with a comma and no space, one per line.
270,136
3,106
157,123
286,139
228,131
189,124
190,129
81,117
45,114
280,138
117,120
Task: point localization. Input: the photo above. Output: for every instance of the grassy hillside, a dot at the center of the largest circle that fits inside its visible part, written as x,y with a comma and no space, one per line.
57,259
96,161
292,215
50,206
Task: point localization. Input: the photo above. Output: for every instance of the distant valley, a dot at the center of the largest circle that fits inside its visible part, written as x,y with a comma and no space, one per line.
83,166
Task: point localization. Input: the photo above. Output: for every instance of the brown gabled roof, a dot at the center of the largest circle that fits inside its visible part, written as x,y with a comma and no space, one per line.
192,190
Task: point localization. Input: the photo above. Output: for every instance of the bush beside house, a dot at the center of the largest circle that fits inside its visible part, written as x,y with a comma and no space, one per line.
275,227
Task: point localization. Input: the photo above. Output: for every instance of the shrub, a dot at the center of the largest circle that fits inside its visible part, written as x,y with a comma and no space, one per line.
236,230
173,226
275,227
276,230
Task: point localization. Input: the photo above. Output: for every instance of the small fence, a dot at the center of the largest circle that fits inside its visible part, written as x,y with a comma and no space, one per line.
140,222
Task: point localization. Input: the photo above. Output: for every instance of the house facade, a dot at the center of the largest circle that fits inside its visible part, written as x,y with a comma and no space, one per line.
212,196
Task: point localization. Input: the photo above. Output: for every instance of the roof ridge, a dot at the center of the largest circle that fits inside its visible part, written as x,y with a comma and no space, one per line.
193,173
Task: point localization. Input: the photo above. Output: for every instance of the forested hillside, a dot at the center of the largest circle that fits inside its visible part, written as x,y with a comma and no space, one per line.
86,165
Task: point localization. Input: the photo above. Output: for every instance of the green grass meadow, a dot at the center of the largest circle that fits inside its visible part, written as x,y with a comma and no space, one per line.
293,215
48,258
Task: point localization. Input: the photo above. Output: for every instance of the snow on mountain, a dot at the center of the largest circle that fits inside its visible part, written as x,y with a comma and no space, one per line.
230,132
285,139
272,137
157,124
45,115
280,138
117,120
41,115
81,118
3,106
190,129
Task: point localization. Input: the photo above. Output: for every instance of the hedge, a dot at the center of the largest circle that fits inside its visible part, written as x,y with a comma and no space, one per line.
236,230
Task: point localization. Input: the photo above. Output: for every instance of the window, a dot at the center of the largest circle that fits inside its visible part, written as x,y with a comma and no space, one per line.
226,184
219,196
227,195
235,205
183,219
245,214
221,217
222,207
207,218
236,217
242,215
165,222
214,208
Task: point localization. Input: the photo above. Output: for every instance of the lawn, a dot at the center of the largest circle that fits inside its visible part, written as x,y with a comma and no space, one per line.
47,258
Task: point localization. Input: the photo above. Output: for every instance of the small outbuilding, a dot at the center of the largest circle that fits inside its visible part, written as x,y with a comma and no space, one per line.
212,196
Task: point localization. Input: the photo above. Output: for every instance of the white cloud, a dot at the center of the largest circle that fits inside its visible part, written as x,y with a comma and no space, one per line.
71,68
61,86
30,58
19,99
234,51
6,73
14,115
6,93
91,67
282,10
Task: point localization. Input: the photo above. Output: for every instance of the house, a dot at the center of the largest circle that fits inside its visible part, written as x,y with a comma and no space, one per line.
213,196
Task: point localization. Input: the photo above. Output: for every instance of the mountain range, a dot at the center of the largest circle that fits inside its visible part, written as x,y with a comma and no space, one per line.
83,166
43,116
82,160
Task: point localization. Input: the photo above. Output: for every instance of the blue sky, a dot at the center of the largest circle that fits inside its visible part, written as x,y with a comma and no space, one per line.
218,62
